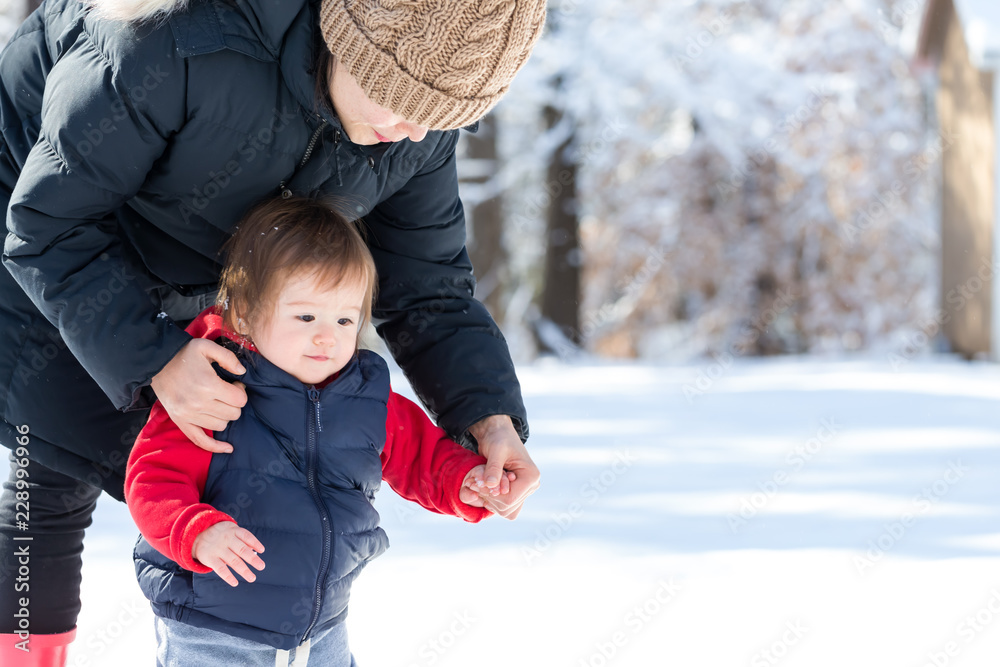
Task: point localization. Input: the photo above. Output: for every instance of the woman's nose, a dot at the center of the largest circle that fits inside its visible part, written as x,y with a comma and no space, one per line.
414,132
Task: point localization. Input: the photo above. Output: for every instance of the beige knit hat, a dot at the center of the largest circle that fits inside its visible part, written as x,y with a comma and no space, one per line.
438,63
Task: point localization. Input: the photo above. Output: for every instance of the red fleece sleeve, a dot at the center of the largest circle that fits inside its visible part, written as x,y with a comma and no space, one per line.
164,481
422,464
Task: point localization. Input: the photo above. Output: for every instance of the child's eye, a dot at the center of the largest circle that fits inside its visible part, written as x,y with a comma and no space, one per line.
344,321
307,318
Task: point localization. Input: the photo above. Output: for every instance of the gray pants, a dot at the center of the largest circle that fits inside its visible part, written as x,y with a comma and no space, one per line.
182,645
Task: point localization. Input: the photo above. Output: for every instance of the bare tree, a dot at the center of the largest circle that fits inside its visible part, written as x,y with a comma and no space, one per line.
561,283
485,218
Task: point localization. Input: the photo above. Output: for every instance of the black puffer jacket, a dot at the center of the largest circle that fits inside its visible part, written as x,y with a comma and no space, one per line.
130,152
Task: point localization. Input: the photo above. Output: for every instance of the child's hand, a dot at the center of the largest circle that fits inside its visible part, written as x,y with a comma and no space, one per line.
225,545
475,492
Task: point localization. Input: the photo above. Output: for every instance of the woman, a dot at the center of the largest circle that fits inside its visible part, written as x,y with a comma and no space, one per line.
129,151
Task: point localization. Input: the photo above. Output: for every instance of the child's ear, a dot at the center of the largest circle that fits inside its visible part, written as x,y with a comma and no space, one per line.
240,326
239,323
368,338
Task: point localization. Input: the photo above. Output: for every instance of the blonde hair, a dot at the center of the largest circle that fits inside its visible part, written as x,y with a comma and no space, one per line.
137,11
281,238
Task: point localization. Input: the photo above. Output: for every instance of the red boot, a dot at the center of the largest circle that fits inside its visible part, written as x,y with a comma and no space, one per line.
42,650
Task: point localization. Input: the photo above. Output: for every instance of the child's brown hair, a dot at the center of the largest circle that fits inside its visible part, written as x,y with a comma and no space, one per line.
281,238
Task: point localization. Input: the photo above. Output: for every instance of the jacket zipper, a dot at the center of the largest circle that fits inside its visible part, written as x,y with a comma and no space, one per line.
285,192
316,426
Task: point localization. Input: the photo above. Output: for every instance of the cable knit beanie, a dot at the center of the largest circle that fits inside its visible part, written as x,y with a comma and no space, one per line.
438,63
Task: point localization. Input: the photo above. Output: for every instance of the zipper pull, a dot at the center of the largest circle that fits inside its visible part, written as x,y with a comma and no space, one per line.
285,192
314,397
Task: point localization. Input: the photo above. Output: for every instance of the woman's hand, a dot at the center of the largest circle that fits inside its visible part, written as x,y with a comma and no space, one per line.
504,451
225,545
195,397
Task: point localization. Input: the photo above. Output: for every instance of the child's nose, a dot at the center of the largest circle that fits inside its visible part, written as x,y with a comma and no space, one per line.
324,336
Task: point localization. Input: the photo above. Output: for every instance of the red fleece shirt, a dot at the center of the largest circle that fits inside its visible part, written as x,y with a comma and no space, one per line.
166,472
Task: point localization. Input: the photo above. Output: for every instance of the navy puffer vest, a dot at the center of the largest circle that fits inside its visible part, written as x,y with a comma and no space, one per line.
302,477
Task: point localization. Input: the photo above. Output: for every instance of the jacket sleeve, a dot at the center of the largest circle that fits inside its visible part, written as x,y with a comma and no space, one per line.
422,465
164,481
106,118
446,342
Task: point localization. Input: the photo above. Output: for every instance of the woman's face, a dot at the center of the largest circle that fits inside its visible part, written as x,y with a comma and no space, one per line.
364,121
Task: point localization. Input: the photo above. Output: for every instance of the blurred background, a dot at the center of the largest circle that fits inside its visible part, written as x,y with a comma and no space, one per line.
669,180
672,180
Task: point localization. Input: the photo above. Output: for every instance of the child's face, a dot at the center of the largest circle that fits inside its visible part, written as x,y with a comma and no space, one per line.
313,330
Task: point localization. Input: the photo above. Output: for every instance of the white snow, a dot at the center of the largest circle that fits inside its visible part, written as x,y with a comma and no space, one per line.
981,20
869,533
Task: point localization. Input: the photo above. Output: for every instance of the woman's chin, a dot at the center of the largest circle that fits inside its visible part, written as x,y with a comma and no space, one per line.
360,136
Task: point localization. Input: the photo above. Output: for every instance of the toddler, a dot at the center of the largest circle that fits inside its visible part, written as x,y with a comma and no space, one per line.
321,428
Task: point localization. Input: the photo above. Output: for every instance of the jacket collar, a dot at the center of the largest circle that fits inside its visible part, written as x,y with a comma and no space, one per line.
270,20
297,61
257,28
279,399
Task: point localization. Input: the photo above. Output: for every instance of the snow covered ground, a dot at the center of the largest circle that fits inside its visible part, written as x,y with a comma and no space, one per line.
786,512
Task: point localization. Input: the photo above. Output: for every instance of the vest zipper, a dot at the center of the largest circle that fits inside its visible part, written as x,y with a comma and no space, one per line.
316,426
285,192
